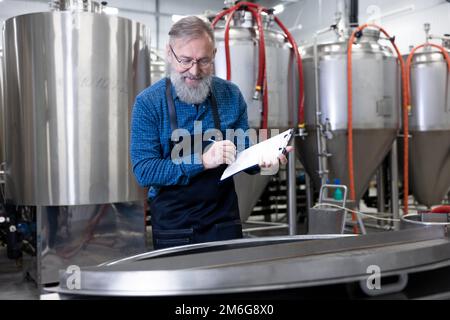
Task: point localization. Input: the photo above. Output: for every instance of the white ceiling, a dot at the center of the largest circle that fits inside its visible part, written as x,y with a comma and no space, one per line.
10,8
139,10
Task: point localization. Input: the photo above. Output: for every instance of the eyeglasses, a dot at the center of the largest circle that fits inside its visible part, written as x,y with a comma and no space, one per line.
188,63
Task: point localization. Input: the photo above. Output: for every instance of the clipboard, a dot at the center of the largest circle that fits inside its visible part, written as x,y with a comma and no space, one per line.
251,157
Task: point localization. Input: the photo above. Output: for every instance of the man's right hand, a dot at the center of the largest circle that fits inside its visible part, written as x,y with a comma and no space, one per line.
222,152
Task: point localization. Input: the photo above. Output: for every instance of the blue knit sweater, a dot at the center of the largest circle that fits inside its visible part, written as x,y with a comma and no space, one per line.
150,146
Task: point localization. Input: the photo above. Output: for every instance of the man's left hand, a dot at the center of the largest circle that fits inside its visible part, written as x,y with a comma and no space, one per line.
270,166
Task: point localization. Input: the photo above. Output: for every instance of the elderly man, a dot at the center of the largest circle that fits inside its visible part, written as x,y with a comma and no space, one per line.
188,204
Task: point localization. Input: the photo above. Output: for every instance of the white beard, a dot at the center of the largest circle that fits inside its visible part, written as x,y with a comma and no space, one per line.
190,94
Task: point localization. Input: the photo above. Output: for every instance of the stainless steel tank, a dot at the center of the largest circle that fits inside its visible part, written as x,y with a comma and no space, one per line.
244,44
429,156
72,79
376,108
282,95
2,96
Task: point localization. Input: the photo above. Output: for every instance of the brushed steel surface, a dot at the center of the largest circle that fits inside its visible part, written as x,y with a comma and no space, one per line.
376,108
429,155
430,166
371,147
281,74
430,89
249,189
87,235
72,80
2,107
283,265
224,245
282,83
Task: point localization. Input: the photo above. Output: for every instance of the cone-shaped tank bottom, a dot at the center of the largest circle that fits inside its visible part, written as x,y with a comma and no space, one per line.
430,166
370,148
249,189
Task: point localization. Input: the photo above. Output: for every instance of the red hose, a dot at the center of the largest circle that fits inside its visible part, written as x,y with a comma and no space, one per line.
409,61
261,84
350,110
262,72
227,43
256,16
408,103
220,16
442,210
301,97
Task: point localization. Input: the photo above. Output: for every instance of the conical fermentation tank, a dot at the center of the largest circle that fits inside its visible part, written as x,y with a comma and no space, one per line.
429,155
2,96
72,75
376,108
282,84
280,61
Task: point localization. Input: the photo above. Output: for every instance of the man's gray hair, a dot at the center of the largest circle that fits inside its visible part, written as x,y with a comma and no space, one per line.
191,28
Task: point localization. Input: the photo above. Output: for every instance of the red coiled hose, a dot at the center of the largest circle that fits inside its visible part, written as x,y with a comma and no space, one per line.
261,84
408,94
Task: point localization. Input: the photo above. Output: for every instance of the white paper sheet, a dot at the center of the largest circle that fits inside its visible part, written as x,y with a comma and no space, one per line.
252,156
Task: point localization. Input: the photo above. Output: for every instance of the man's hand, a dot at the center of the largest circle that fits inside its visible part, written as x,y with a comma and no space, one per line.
222,152
270,165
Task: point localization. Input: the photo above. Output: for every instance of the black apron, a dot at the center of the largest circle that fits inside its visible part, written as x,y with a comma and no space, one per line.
205,210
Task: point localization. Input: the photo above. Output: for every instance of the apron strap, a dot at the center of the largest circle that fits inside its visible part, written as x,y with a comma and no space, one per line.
215,111
173,114
171,106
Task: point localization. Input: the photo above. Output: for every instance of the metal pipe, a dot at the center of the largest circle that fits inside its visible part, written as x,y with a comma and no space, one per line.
361,224
446,41
265,223
427,28
354,13
354,206
342,19
292,193
278,227
157,23
372,226
341,7
309,193
39,248
321,140
380,190
394,185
